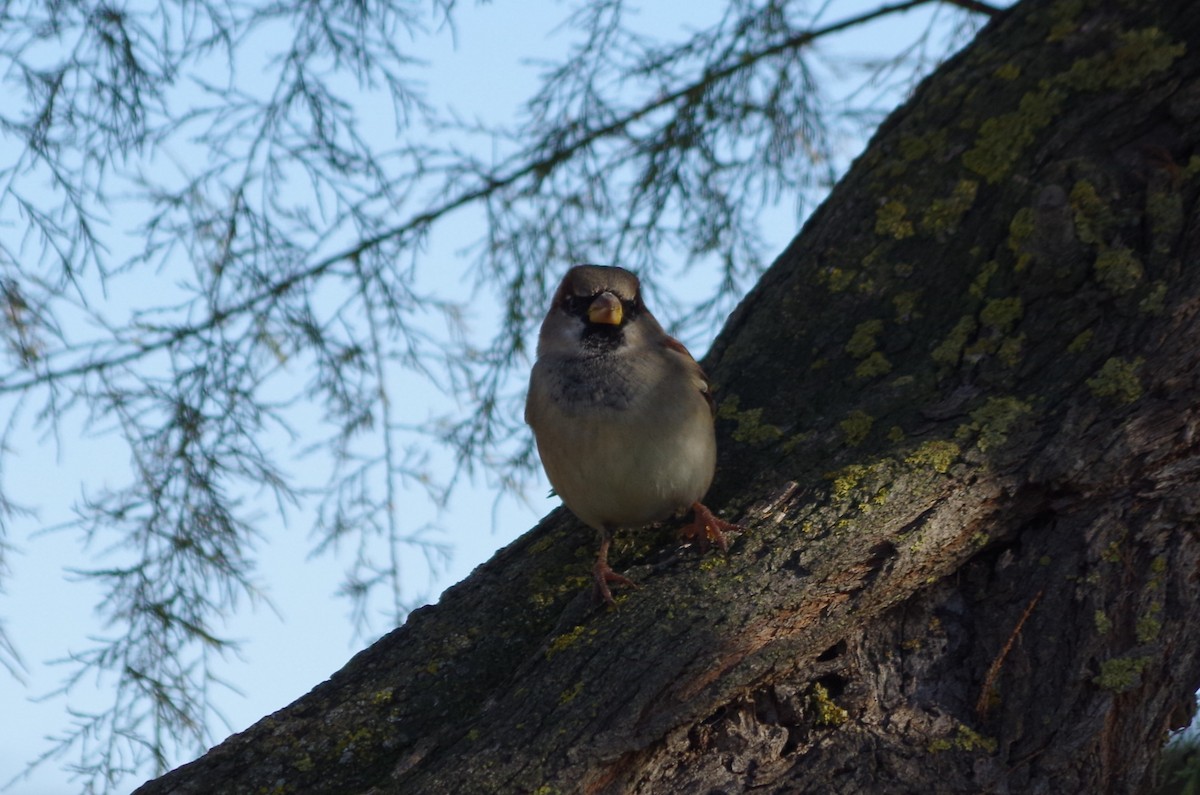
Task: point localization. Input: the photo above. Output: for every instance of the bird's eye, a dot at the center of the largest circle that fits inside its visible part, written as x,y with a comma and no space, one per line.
576,304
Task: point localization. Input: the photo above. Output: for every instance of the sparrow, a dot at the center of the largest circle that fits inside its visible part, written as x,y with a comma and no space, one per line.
622,415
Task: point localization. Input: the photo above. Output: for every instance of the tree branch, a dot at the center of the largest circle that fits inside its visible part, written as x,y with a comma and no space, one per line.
489,186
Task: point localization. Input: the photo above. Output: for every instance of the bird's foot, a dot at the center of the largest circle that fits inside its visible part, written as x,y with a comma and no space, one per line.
602,575
705,528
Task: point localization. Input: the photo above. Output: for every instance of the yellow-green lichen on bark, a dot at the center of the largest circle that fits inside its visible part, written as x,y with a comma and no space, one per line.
1020,229
1081,341
545,543
566,640
1112,552
979,284
948,351
1149,626
828,713
1001,314
862,346
875,365
550,583
835,278
984,346
992,422
938,454
1121,673
1118,270
905,304
847,479
1117,379
856,427
359,737
1010,349
890,220
1008,71
920,147
1154,302
862,339
1093,217
1139,54
570,694
964,739
1164,211
750,427
944,215
1064,19
1003,139
913,149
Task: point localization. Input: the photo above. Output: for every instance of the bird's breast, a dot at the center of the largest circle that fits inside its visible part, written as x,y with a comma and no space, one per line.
597,382
620,454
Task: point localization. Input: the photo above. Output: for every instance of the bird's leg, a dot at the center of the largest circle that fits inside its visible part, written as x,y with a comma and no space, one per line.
603,575
706,527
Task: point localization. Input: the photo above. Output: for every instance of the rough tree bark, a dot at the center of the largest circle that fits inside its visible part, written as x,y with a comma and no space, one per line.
959,422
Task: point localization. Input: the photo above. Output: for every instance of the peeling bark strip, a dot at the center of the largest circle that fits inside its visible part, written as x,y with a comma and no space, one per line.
968,387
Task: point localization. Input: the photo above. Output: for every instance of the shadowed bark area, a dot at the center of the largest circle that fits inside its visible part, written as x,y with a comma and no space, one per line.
958,420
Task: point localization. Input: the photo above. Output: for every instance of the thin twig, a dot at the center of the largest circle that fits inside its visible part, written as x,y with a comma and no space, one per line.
989,681
977,7
422,220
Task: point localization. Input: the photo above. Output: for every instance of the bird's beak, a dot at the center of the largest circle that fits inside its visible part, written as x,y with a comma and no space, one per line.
605,308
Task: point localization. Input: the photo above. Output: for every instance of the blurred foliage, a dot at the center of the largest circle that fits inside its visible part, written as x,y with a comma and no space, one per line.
1179,767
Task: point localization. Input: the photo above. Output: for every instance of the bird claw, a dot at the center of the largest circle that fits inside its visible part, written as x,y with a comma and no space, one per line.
602,575
706,528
